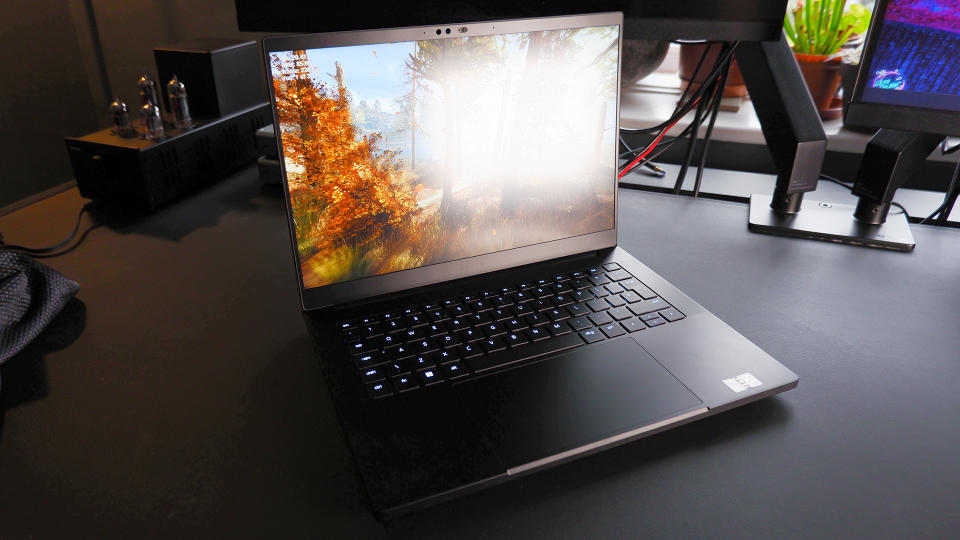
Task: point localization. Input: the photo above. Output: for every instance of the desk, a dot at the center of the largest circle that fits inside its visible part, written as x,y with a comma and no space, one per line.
190,403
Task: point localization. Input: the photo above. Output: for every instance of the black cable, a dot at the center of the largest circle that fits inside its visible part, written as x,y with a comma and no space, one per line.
697,120
49,251
946,197
849,186
721,83
686,107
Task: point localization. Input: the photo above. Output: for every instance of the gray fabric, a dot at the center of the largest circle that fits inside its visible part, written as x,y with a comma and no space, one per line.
31,295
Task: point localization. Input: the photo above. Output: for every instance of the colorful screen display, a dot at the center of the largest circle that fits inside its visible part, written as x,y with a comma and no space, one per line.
402,155
915,56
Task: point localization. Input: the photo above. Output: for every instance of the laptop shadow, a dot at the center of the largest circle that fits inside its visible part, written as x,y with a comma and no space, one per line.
593,471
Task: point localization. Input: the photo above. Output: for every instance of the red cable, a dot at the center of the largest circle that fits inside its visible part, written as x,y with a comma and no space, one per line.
653,145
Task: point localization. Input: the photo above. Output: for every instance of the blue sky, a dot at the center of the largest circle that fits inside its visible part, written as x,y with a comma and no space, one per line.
371,72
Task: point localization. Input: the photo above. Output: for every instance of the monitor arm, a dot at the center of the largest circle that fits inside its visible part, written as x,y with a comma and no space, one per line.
788,119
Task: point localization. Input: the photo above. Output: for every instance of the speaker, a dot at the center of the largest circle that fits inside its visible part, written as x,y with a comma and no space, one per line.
222,76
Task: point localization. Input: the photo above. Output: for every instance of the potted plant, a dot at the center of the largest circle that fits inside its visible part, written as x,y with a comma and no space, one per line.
816,30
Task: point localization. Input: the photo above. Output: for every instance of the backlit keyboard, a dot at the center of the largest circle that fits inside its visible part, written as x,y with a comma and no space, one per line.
416,347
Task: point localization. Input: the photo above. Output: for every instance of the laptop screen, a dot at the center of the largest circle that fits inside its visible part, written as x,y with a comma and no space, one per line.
407,154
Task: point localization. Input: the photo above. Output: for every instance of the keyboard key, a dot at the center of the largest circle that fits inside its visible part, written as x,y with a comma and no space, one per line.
656,321
379,390
502,301
447,340
399,352
611,266
540,305
480,306
579,323
372,375
581,296
618,275
424,361
493,344
527,285
515,325
614,288
361,347
600,318
437,315
405,383
631,296
493,329
347,325
598,304
591,335
416,320
501,314
633,325
558,328
521,354
577,275
599,292
594,270
424,346
411,334
521,297
612,330
351,335
537,334
563,287
447,355
536,319
516,339
615,300
641,289
598,279
454,371
671,314
479,318
581,283
458,311
558,314
578,310
620,313
388,340
435,329
458,324
390,326
397,367
470,350
470,334
562,299
646,306
369,360
522,309
430,377
371,330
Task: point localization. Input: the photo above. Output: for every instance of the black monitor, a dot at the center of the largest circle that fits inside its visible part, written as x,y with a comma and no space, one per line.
719,20
909,76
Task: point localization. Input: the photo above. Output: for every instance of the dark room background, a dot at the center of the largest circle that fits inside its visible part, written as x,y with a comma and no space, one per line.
62,62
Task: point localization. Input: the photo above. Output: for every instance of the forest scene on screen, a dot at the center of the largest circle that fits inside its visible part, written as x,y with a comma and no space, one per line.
918,46
407,154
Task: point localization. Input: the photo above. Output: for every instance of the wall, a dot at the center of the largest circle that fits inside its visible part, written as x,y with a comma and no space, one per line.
44,96
57,83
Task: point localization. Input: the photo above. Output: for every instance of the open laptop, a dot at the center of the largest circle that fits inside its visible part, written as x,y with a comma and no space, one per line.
452,203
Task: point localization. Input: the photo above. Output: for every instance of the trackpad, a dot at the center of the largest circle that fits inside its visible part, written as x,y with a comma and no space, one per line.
576,399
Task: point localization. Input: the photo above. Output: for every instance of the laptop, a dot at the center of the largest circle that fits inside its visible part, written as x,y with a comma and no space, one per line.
452,204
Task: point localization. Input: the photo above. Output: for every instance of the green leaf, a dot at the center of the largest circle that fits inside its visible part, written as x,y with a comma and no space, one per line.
856,17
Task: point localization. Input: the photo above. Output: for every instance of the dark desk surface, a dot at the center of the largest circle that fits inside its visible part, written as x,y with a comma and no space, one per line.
189,402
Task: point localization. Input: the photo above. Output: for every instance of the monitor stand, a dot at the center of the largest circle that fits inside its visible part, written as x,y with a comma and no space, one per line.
890,158
830,222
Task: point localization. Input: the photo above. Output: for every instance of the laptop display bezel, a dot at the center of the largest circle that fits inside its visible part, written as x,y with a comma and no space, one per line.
367,287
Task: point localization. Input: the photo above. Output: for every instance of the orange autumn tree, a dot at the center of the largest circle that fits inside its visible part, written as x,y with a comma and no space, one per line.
344,189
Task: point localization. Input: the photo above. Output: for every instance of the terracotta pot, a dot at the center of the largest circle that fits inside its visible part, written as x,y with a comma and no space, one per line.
690,54
823,78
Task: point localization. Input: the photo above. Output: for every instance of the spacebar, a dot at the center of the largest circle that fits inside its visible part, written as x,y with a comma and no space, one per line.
523,353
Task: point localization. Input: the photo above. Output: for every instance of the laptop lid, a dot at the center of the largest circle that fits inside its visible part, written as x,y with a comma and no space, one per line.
419,155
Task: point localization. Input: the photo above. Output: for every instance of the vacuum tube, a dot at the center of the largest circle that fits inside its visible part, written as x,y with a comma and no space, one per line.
148,90
152,123
177,93
120,115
